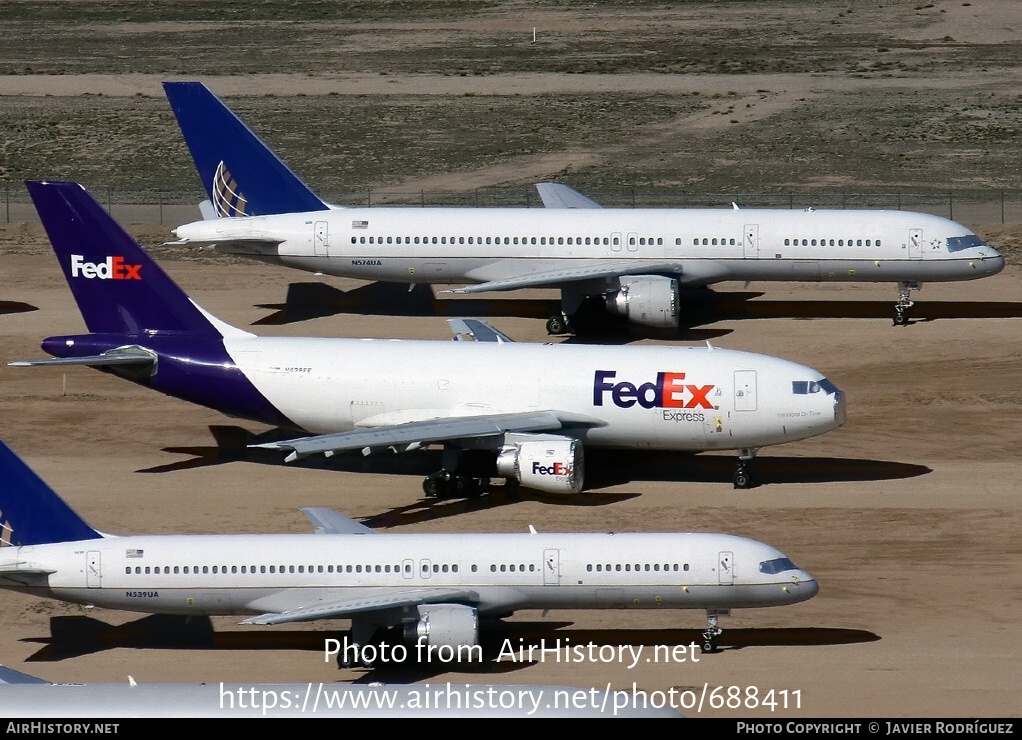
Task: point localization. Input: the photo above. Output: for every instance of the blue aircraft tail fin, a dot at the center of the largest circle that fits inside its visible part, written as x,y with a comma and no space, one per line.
31,513
118,287
242,176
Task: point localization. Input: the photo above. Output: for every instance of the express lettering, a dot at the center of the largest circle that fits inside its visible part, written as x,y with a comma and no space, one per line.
555,469
668,392
114,268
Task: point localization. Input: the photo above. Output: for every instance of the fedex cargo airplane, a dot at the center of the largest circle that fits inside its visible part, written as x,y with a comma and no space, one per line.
634,259
433,587
524,411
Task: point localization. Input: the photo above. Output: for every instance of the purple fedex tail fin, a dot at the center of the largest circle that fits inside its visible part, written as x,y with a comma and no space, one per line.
118,287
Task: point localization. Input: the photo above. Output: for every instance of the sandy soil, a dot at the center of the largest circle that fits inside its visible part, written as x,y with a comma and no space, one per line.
908,515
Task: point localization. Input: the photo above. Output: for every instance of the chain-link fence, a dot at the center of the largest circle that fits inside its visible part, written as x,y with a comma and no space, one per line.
971,207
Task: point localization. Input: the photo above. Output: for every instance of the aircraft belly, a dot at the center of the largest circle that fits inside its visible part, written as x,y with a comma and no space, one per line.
397,268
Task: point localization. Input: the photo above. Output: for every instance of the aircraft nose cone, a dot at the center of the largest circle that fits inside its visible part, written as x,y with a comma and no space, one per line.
991,265
803,587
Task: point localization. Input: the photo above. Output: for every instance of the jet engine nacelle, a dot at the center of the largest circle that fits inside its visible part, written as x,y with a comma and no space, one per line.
648,300
544,462
451,625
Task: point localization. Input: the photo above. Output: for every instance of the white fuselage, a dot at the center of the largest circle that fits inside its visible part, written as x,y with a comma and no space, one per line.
656,397
703,246
253,574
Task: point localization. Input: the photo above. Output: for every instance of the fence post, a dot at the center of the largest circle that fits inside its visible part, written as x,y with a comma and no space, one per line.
160,196
899,200
791,200
633,197
422,198
369,198
7,197
109,200
951,205
1002,206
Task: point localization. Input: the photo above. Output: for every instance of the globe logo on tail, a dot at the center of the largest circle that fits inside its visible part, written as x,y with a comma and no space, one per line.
228,201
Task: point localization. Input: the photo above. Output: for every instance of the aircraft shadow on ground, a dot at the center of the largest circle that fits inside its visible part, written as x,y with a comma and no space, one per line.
75,636
16,307
609,468
699,307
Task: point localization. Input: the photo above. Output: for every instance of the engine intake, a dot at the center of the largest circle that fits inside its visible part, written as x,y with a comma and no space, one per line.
444,625
647,300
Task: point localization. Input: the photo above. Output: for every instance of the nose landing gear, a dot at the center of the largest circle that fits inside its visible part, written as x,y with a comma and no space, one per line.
743,470
904,303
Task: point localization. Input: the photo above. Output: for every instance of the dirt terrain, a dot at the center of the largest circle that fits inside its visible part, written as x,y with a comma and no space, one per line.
908,516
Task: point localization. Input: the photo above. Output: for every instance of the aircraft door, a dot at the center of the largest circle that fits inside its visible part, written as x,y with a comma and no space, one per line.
915,244
93,569
726,568
751,240
551,568
745,390
321,244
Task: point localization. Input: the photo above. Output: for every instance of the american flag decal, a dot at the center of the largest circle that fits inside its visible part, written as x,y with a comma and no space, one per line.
228,201
134,553
360,224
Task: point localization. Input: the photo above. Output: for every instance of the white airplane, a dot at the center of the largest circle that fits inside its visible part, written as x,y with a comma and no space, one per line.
525,411
434,587
26,697
635,259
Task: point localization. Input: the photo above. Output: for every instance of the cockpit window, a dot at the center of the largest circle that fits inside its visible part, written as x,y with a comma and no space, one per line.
805,387
779,565
958,243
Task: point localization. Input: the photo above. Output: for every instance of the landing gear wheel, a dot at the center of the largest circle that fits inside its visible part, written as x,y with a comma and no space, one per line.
709,646
438,484
742,478
900,316
557,325
473,487
712,632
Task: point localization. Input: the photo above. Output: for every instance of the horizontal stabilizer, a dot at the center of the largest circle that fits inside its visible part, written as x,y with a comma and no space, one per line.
137,356
476,330
328,521
11,676
556,195
391,600
432,430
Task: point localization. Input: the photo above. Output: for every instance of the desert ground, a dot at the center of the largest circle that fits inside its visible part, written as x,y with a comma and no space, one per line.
908,515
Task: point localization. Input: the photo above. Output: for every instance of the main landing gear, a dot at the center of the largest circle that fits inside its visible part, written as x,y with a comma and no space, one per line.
743,470
712,631
904,303
464,474
445,484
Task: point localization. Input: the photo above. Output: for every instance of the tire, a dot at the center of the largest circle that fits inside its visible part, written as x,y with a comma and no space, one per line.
556,325
743,480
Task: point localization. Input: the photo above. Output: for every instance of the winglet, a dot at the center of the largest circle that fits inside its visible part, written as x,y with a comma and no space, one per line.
476,330
33,513
242,176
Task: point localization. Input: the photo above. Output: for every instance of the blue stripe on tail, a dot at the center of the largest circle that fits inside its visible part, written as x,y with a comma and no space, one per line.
118,287
242,176
31,512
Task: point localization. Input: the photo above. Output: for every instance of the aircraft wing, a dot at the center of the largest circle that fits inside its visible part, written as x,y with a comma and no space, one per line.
416,433
556,195
476,330
391,599
699,273
328,521
553,278
122,356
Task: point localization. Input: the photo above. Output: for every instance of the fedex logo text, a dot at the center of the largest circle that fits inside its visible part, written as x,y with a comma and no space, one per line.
556,469
114,268
667,392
